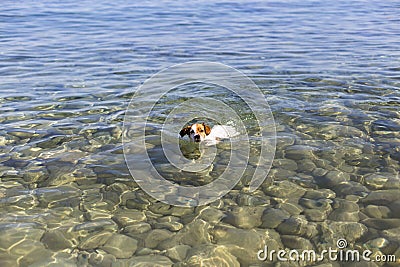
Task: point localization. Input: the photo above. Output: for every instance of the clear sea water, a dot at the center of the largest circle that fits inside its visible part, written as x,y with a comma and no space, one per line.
330,71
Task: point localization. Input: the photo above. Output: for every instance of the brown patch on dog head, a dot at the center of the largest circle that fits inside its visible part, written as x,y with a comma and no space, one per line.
207,129
185,131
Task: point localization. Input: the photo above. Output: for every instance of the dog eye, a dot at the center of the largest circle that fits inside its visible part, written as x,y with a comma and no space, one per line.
191,131
201,131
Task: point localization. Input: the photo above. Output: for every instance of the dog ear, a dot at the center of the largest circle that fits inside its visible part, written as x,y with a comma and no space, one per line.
207,129
184,131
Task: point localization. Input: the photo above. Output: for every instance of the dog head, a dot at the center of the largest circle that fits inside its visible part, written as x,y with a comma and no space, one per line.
197,132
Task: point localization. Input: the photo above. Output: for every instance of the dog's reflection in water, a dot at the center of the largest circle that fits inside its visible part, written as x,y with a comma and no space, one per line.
191,150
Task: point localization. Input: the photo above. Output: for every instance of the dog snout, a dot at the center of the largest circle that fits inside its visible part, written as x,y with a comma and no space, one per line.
196,137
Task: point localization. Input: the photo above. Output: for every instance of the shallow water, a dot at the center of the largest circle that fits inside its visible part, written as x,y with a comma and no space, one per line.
330,72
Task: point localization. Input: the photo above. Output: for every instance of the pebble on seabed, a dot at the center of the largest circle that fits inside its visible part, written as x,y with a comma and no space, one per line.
242,243
121,246
245,217
210,255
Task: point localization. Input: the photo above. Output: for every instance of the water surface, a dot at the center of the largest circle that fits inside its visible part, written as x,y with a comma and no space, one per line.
330,72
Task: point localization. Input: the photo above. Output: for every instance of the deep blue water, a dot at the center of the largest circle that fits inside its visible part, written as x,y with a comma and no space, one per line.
49,48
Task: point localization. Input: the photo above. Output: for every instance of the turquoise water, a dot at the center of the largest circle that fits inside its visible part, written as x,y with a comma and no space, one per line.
330,72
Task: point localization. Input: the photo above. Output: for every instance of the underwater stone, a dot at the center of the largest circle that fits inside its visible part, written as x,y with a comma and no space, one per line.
97,225
252,200
346,168
320,193
319,172
333,178
29,252
53,141
138,228
137,204
285,189
315,215
292,208
284,139
60,257
170,226
382,197
146,251
177,253
244,217
281,174
101,260
155,237
11,234
379,242
382,224
286,164
298,152
321,204
161,208
293,226
148,260
128,217
57,240
243,243
339,215
382,181
58,195
271,217
33,176
344,210
392,234
351,231
95,241
22,133
211,215
3,141
296,242
121,246
375,181
306,165
374,211
395,209
211,255
195,233
348,188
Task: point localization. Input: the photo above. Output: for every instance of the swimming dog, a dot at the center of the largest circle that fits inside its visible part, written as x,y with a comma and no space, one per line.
199,132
